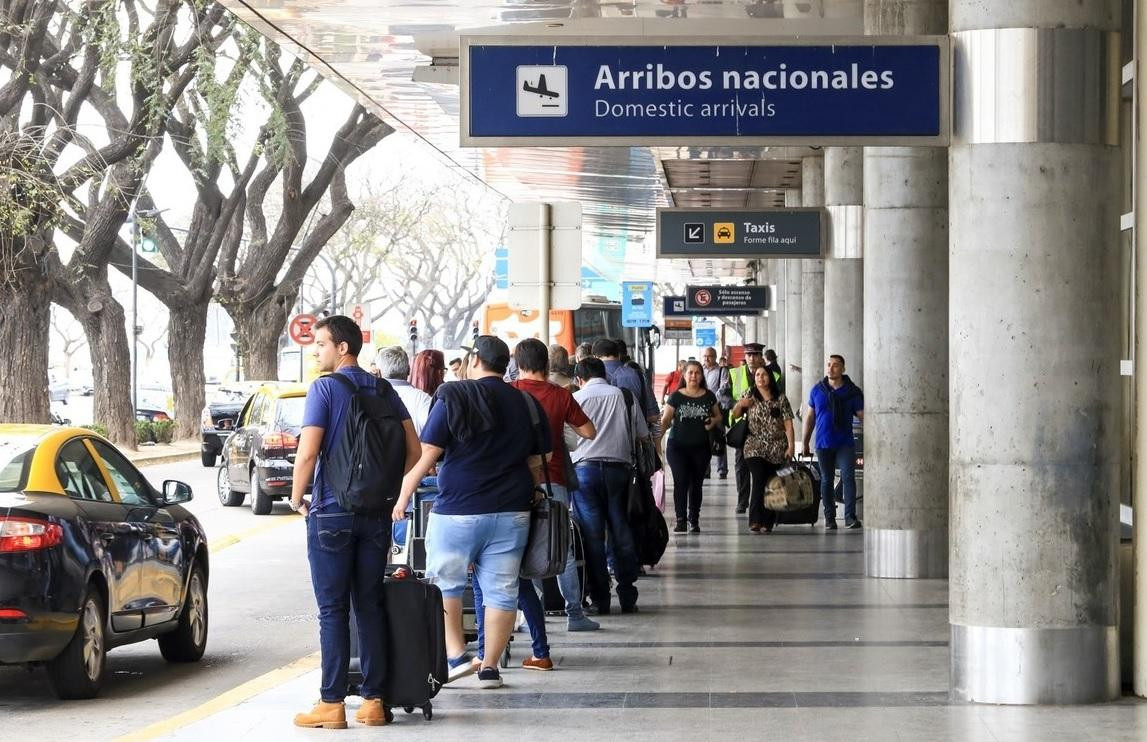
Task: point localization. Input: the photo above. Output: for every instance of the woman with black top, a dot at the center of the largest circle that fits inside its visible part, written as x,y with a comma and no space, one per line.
770,442
693,410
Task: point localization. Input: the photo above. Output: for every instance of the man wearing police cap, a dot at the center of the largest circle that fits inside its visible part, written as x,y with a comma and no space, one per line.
742,379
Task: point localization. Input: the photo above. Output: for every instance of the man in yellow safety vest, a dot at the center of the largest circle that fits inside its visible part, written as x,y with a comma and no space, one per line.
742,380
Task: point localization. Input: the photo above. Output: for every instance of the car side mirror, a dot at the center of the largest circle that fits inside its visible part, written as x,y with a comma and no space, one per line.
175,492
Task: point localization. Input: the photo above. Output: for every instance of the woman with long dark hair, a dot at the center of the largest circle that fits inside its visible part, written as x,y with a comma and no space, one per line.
770,442
428,371
693,410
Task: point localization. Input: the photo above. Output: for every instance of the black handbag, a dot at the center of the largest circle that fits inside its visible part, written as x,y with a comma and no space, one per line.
548,544
716,441
738,434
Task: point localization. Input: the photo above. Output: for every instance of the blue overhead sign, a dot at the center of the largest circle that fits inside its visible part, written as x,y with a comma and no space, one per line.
636,303
646,91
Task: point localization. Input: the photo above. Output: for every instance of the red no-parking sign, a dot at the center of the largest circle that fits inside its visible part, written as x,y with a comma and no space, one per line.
302,328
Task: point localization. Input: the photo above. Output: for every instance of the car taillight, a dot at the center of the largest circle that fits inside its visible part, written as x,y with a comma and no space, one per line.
12,614
27,534
280,440
206,420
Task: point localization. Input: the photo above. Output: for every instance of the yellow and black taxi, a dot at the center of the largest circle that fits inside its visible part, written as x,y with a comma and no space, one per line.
259,457
92,557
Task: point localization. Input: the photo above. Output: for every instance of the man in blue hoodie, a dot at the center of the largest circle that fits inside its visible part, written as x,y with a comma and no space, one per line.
832,403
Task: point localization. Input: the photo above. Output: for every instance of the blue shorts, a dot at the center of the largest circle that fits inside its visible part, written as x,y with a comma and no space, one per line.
492,542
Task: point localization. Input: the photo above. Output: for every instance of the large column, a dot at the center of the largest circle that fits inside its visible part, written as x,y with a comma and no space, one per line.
793,319
1139,456
844,269
1034,351
906,338
812,289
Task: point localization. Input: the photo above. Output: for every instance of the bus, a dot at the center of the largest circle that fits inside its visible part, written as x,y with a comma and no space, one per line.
595,319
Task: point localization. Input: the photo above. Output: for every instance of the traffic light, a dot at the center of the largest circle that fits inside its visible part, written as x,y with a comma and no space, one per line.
413,330
474,330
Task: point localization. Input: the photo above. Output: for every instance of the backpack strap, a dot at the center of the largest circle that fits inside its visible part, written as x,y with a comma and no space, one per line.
536,427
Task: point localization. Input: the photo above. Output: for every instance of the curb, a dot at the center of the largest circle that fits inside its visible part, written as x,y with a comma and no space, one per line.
171,458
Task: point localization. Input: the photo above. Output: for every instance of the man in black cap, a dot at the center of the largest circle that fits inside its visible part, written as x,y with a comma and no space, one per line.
491,460
742,379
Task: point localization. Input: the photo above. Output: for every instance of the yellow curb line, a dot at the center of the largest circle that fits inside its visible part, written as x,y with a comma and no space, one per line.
219,544
226,700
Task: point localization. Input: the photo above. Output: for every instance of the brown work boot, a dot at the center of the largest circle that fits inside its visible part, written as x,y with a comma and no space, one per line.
324,716
371,713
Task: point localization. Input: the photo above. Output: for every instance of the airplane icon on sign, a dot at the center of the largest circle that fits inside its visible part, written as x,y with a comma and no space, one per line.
540,88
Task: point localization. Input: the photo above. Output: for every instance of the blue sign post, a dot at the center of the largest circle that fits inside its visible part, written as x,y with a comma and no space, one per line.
652,91
636,303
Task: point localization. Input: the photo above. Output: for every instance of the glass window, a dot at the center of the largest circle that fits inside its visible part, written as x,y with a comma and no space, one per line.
291,412
256,410
79,475
14,459
133,488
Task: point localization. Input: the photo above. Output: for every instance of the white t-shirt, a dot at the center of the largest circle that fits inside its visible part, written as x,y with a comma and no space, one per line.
417,402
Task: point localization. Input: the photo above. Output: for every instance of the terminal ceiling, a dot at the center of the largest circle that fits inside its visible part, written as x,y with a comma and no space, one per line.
372,48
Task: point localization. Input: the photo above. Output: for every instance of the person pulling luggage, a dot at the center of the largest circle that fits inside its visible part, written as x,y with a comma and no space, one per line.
832,404
356,434
770,442
693,411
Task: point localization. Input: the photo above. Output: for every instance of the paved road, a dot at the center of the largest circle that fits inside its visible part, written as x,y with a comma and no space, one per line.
261,618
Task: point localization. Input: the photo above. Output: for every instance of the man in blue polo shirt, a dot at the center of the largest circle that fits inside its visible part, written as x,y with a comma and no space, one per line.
492,459
832,403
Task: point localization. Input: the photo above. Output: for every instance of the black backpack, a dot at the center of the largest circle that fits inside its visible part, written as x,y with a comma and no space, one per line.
365,465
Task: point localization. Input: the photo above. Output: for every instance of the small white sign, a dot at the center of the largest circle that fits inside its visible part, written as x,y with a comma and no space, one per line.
543,90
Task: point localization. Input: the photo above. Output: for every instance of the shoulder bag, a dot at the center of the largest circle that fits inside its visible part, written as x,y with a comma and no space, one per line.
548,544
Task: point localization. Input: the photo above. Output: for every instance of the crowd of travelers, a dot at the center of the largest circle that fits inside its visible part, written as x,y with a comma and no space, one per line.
598,422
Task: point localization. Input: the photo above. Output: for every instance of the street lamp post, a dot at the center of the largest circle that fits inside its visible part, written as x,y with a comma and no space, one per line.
133,222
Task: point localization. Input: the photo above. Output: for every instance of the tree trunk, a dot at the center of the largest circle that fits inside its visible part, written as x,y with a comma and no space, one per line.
186,333
25,325
259,330
104,326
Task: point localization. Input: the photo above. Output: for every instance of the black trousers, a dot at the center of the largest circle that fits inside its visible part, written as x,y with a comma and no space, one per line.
761,472
723,457
688,464
742,473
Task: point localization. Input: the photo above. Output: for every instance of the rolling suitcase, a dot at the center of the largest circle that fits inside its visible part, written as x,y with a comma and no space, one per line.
804,476
415,647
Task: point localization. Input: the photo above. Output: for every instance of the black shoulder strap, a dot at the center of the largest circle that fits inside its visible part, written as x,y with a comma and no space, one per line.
536,426
349,383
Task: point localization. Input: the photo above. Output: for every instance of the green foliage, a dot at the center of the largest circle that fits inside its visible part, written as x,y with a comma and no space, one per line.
144,432
163,430
96,428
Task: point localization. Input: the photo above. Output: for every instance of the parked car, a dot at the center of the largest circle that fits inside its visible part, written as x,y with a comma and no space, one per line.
151,415
58,391
220,415
93,557
259,457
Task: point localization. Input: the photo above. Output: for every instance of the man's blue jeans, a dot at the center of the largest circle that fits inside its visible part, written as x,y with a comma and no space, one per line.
599,507
531,607
347,553
831,459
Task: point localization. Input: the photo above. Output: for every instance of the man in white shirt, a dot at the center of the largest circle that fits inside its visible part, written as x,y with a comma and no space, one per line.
394,366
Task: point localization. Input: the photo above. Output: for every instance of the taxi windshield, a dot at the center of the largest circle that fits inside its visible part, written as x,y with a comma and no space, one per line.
15,455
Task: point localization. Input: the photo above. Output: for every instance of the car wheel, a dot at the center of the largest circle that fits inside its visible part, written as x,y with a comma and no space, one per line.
208,459
229,497
78,671
189,640
260,503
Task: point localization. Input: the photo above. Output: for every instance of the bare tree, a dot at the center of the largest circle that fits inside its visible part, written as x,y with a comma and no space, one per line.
69,338
442,277
59,62
259,277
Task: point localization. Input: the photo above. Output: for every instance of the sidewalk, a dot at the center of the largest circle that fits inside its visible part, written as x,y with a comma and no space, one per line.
164,453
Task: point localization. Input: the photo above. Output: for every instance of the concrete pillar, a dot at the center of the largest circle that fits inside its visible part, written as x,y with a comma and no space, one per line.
844,268
906,338
812,292
1139,451
1034,351
794,336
